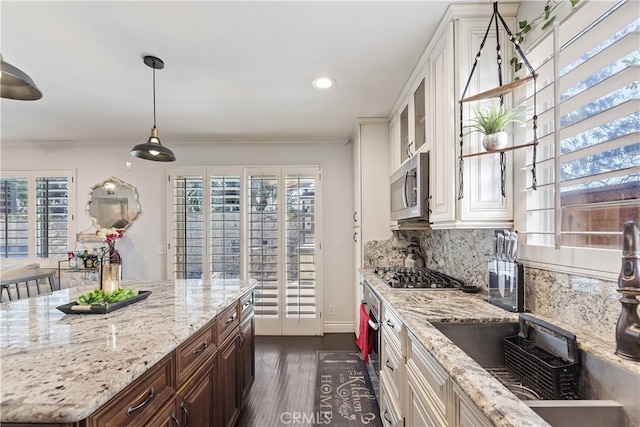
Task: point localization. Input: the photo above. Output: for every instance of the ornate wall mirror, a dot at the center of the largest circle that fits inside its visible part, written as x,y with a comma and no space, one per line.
113,203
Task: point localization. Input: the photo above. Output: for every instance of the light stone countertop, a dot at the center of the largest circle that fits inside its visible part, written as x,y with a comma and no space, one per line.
418,308
58,367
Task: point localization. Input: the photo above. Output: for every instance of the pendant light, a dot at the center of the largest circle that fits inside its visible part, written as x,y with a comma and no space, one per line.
16,84
153,149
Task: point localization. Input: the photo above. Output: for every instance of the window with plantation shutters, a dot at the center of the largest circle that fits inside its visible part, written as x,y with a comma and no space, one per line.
35,220
588,126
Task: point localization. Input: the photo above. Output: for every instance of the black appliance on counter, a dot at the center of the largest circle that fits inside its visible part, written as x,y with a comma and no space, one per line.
416,278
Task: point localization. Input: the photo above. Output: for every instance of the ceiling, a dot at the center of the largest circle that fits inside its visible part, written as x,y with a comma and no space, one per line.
234,70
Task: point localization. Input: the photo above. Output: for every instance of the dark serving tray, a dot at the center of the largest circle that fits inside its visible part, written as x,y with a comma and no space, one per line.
75,308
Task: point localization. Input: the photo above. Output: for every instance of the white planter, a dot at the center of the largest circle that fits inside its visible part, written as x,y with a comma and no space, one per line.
495,141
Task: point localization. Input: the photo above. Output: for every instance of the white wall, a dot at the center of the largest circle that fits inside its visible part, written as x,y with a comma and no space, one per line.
139,246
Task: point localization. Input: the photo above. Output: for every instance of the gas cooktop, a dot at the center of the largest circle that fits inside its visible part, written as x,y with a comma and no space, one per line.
416,278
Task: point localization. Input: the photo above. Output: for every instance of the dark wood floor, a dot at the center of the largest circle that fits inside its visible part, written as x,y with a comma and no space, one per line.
285,378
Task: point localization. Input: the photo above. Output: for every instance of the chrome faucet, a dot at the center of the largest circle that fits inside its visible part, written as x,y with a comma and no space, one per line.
628,327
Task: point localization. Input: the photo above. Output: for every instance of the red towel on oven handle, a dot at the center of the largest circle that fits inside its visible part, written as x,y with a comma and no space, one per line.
364,341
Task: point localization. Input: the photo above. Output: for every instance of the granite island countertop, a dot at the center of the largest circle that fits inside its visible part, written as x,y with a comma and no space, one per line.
58,367
419,308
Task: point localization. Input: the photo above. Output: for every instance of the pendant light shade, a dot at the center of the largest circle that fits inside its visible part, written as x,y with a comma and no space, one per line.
153,149
16,84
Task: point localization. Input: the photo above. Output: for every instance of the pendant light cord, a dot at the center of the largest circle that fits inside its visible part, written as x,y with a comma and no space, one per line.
154,97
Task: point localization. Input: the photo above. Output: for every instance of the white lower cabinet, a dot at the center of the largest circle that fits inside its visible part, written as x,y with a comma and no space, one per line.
419,393
389,407
465,413
392,368
428,387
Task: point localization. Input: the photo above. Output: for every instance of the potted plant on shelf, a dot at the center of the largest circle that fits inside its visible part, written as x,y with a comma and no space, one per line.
491,121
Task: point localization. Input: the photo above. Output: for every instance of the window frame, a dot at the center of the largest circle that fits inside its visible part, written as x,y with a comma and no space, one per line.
32,176
591,262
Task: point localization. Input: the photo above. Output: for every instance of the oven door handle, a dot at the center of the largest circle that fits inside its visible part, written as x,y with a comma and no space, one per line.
375,326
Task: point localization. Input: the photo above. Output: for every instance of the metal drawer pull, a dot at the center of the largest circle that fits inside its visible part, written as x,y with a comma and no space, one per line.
186,413
200,349
231,319
375,326
388,365
390,324
150,394
175,420
246,304
386,412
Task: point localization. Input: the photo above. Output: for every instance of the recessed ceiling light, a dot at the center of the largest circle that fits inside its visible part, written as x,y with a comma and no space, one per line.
323,82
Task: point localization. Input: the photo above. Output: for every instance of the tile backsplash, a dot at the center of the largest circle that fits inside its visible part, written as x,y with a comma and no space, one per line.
587,303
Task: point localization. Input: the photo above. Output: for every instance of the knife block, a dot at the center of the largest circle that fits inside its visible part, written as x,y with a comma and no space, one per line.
506,285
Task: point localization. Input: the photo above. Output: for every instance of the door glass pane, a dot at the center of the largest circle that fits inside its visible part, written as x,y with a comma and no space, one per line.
188,223
263,243
300,247
225,227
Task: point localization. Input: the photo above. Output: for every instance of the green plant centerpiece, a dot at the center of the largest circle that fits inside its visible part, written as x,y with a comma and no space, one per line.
491,121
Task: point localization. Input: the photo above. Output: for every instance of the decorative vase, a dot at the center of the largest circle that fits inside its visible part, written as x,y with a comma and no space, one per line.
495,141
110,277
114,255
111,269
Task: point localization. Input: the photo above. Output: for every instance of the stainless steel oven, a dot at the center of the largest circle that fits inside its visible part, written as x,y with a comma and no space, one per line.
372,305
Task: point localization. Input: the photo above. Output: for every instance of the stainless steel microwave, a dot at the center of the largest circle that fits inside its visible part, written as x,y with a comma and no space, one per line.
410,190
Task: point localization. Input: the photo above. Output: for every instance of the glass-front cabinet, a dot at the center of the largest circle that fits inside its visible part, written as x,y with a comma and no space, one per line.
412,127
408,133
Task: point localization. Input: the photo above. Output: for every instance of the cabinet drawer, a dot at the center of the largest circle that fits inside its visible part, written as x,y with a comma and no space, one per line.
246,306
195,352
140,401
391,322
391,364
227,320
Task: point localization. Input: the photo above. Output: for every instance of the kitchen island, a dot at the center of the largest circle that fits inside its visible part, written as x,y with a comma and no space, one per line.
62,368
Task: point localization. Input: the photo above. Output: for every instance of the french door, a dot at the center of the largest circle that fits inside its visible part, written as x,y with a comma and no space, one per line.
283,249
259,223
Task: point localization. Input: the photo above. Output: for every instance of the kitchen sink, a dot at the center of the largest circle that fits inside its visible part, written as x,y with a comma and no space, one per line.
608,393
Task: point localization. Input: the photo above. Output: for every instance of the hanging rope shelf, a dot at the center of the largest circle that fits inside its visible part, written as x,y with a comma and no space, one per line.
499,92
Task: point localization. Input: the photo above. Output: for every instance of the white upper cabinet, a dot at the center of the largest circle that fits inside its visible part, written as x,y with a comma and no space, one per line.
441,109
433,93
407,125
